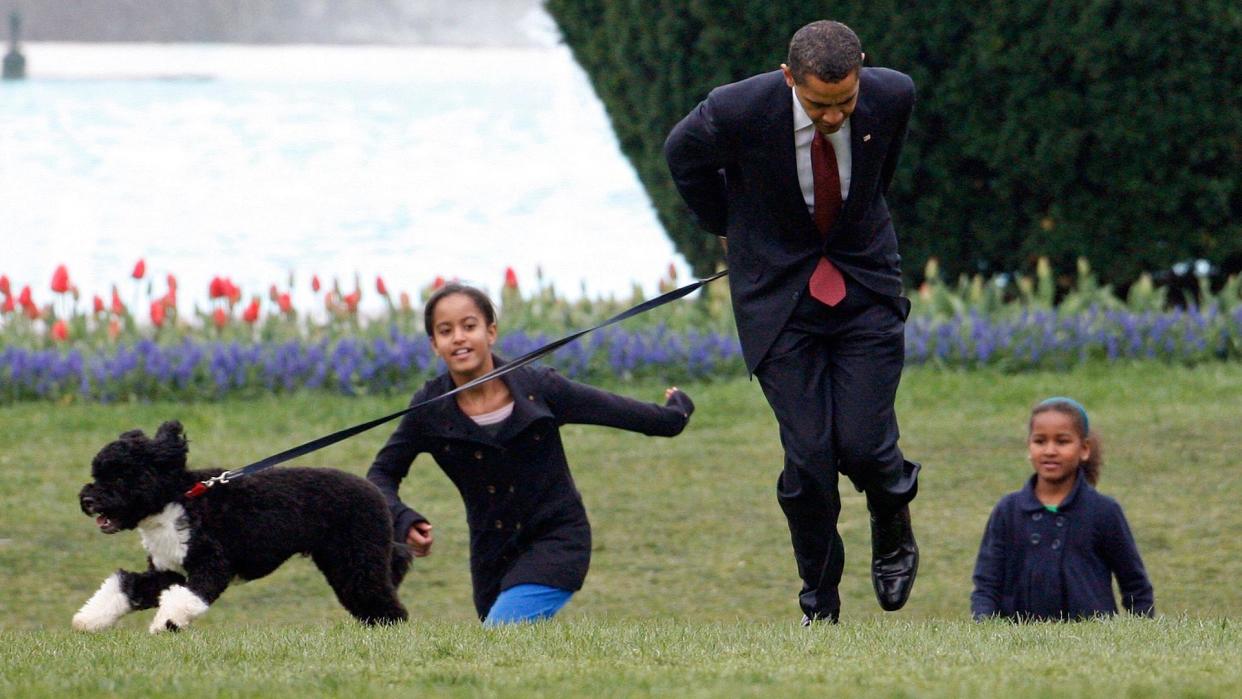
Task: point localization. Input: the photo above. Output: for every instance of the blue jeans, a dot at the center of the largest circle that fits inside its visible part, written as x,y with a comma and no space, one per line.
528,602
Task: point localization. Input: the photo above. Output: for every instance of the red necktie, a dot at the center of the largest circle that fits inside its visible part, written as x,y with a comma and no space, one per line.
827,285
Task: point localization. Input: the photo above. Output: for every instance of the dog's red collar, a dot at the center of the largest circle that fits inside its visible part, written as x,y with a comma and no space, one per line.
202,486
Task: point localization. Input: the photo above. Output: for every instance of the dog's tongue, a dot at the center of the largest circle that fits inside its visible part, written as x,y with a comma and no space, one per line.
102,521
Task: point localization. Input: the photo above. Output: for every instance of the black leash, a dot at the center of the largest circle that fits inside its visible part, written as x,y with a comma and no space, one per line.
317,444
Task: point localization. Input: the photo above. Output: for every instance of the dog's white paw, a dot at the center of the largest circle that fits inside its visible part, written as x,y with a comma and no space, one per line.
178,607
104,607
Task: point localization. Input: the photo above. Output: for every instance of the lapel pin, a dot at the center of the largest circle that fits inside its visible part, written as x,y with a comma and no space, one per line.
866,138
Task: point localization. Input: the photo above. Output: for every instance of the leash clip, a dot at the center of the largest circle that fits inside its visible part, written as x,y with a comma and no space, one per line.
202,486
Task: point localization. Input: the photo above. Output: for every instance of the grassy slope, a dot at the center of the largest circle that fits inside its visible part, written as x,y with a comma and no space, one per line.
692,554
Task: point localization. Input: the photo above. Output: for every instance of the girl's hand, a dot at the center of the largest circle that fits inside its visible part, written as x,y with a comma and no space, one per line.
676,398
420,539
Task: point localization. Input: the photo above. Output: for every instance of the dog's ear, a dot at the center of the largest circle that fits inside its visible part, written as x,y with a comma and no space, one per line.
170,444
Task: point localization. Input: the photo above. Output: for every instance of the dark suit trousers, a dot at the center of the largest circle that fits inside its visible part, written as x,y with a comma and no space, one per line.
831,378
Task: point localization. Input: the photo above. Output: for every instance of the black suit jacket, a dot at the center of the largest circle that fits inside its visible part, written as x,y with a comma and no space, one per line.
732,158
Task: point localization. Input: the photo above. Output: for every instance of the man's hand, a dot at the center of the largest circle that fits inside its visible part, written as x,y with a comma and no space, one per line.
420,539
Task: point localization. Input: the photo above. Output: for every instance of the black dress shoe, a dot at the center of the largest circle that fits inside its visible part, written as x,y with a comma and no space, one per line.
894,558
826,618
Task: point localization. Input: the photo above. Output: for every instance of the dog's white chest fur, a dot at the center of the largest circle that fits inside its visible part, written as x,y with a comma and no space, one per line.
166,536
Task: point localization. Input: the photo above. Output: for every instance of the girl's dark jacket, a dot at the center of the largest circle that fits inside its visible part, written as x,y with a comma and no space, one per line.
526,518
1037,564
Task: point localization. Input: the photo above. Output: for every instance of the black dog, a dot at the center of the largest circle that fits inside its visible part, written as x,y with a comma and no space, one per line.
242,529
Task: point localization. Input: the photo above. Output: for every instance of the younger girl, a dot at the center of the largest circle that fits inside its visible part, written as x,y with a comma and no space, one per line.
499,442
1050,550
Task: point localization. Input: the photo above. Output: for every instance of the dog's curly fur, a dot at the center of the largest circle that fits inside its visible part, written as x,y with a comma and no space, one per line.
243,529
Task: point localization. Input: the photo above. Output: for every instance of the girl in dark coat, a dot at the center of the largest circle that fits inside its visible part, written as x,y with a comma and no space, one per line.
1050,550
530,543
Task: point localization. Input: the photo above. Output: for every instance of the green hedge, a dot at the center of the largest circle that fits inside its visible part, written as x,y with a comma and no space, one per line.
1111,130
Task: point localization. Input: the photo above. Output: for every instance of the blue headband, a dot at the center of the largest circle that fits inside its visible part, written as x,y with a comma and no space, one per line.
1064,400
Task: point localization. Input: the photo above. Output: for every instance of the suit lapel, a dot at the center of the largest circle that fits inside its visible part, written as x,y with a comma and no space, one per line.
779,141
863,164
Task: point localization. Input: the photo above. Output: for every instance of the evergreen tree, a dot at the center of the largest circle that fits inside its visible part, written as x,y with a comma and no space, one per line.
1110,129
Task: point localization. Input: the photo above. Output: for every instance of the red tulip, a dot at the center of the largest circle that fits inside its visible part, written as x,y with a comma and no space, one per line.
438,282
24,298
172,283
217,290
220,317
285,303
510,278
352,299
315,283
251,313
114,329
234,293
273,293
99,304
380,286
32,312
4,285
8,305
60,279
60,331
118,308
157,313
140,269
672,272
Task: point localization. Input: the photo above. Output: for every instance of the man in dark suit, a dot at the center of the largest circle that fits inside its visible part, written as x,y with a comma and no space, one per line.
790,168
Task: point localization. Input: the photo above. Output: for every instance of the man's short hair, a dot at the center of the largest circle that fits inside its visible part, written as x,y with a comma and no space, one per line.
826,49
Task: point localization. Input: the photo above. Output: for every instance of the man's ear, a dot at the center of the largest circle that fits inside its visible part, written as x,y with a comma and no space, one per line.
789,76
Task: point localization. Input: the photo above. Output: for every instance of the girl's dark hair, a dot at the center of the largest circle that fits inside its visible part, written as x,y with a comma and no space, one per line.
1091,466
480,299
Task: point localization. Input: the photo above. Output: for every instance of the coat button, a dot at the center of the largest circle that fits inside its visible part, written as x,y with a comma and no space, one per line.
499,524
518,526
530,396
1037,516
447,449
510,489
538,437
478,455
1035,539
491,488
1060,521
1056,544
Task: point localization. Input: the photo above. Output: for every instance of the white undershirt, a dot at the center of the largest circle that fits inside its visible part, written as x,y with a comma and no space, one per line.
803,133
497,416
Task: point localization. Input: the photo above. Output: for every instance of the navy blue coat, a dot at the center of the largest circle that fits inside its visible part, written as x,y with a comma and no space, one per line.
732,159
1037,564
527,521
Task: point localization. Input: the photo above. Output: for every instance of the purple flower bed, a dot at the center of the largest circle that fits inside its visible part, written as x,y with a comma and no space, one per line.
1047,340
397,363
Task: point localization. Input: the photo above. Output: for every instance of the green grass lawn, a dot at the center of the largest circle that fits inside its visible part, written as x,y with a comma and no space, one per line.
692,588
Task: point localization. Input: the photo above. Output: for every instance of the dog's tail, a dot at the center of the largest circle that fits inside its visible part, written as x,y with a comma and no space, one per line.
401,559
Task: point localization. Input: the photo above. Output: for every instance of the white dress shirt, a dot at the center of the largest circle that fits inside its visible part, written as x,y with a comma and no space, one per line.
804,131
